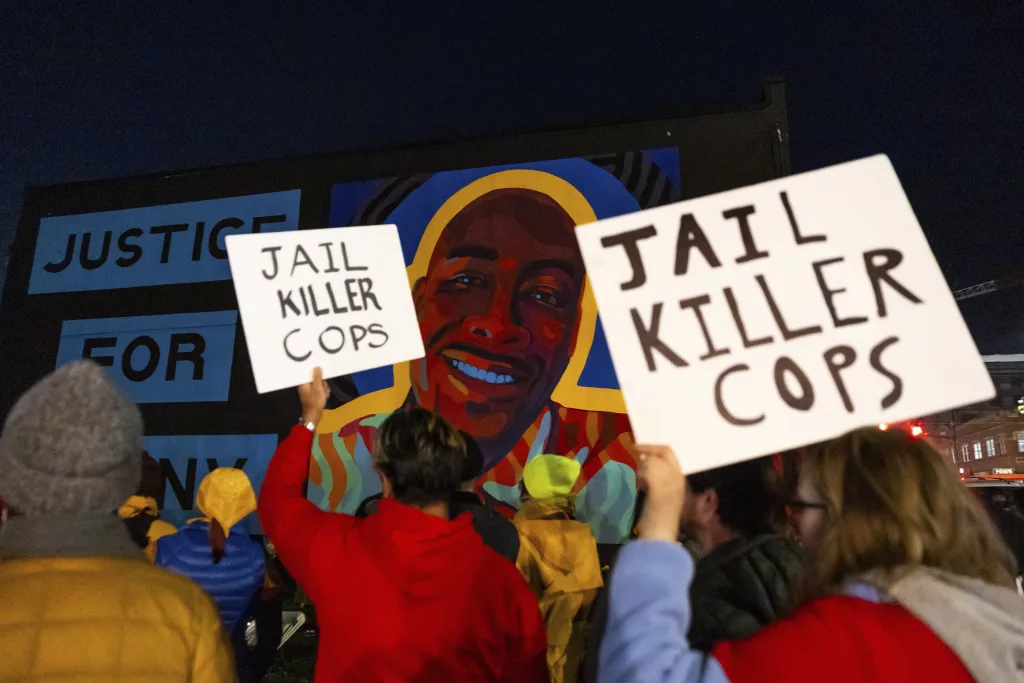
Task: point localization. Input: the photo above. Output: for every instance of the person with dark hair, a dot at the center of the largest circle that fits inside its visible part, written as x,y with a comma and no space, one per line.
78,600
405,594
141,512
229,567
748,572
497,533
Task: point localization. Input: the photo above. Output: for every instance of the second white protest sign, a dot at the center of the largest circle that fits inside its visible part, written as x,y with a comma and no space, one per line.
337,298
777,315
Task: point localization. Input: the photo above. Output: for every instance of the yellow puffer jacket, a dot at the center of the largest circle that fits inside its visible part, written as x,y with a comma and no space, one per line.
558,558
114,618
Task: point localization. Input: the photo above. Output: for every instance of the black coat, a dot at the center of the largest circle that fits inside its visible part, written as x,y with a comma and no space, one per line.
738,588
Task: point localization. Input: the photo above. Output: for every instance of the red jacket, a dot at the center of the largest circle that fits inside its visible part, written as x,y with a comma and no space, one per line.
843,638
401,595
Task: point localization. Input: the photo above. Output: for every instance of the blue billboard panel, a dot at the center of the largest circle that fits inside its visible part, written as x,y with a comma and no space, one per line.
186,460
178,358
152,245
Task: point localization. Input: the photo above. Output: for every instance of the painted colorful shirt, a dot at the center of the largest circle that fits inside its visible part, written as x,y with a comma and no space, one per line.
341,471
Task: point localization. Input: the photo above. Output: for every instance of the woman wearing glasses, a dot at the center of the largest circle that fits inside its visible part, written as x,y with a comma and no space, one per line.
907,579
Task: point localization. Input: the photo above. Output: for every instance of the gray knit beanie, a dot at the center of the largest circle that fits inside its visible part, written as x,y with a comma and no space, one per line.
72,444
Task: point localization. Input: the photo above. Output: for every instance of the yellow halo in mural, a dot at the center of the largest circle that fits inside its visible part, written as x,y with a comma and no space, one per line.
568,392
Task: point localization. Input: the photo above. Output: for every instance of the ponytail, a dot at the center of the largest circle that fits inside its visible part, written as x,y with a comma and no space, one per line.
218,541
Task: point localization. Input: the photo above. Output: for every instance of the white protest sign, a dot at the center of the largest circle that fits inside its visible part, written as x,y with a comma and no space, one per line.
338,298
777,315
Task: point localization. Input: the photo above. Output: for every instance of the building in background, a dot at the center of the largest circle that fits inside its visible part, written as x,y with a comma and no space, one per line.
986,436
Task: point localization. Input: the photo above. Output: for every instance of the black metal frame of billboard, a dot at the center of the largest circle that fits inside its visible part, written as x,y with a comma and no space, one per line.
718,151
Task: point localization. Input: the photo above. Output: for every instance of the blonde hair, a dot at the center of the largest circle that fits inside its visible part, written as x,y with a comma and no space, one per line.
893,502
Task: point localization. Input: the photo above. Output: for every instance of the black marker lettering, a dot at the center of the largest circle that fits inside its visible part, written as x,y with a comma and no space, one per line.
287,351
740,327
806,399
720,404
330,258
690,236
305,304
273,259
334,303
649,341
365,285
312,303
876,363
341,342
351,294
742,214
800,239
787,334
344,258
304,261
628,241
695,303
877,272
357,333
378,330
839,358
830,294
286,303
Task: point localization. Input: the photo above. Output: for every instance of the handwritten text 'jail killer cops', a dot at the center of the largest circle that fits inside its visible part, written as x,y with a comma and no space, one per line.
878,264
329,296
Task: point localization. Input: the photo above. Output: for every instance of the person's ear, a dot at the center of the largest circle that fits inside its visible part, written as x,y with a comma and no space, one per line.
707,506
386,490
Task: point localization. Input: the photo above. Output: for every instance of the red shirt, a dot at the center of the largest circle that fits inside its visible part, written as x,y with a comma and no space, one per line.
842,638
401,595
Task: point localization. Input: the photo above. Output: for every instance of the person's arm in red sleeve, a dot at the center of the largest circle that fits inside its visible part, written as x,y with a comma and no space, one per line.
293,524
528,660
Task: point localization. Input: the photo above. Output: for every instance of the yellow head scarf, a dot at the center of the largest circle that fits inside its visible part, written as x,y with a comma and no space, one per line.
550,476
226,496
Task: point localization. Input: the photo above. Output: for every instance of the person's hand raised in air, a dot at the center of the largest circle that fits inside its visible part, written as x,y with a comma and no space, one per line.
659,474
313,396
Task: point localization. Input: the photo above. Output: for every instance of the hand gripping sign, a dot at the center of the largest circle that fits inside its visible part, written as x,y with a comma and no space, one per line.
337,298
765,318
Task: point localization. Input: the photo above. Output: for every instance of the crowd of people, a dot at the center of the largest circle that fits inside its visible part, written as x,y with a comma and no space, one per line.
859,559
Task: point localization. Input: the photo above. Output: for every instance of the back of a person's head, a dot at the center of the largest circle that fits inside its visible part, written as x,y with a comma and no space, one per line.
892,502
422,456
71,444
549,476
749,495
152,482
226,497
473,466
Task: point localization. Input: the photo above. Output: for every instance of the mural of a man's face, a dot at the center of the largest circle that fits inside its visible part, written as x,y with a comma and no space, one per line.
499,310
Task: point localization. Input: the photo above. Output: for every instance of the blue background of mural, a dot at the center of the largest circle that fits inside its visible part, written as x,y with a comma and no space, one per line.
52,244
605,193
226,450
217,329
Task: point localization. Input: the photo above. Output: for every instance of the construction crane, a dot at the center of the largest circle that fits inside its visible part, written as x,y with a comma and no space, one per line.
1006,282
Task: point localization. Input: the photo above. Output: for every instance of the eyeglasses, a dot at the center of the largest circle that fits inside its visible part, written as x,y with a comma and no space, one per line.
801,505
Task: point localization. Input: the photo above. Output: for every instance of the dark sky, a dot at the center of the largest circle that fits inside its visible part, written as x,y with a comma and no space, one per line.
91,91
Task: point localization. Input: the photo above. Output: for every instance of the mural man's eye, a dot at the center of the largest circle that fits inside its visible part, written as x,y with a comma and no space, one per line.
464,281
547,297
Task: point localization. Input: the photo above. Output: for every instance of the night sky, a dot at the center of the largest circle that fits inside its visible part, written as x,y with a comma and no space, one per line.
90,91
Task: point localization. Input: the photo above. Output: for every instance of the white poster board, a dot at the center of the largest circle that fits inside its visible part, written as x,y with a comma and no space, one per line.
777,315
338,298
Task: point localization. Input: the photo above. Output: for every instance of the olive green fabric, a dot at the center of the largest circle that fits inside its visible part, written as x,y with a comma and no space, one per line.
743,585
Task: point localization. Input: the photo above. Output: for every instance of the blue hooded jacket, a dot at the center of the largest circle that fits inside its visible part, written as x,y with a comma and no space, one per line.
233,583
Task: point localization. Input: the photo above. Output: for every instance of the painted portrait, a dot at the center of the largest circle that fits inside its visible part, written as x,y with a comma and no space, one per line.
515,353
